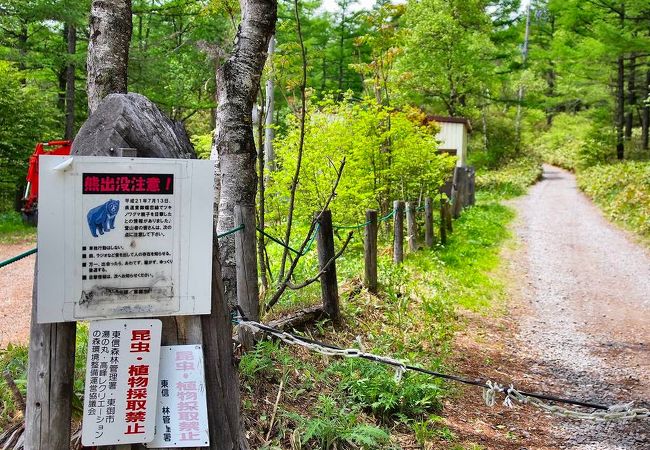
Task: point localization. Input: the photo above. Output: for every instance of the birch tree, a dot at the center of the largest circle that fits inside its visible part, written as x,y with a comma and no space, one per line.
238,82
108,49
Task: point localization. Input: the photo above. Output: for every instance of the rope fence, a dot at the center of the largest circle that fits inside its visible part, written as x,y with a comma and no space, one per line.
511,395
18,257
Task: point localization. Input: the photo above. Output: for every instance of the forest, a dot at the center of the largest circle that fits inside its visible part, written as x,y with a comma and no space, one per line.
344,114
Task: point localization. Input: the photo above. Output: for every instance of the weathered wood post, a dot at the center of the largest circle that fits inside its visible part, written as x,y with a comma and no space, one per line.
246,269
411,226
429,236
221,381
472,186
448,221
370,250
443,222
52,346
458,195
398,233
328,283
50,382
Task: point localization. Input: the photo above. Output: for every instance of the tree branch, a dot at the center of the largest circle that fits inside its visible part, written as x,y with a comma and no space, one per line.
294,263
295,287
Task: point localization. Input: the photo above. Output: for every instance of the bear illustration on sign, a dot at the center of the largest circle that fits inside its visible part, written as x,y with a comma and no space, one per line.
102,218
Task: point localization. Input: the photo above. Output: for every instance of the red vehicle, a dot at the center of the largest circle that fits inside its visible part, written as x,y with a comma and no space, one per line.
30,199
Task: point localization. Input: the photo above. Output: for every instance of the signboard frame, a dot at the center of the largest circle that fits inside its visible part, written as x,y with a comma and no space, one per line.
64,221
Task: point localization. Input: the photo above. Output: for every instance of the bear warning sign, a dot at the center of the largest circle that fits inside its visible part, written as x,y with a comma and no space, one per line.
124,237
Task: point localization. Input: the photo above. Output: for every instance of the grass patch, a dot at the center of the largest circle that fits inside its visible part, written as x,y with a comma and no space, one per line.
13,359
622,191
510,180
13,230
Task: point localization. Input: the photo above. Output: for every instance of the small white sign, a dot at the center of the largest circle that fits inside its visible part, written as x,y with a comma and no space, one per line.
181,411
121,380
123,237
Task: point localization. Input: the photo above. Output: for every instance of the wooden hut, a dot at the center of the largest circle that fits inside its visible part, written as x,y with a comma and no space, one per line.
453,136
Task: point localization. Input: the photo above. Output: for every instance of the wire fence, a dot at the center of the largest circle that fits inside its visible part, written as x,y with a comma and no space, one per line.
234,230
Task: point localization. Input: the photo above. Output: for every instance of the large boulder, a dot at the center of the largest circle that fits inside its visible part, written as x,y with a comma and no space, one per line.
131,121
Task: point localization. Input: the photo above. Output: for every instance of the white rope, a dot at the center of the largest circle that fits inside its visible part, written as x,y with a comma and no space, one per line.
621,412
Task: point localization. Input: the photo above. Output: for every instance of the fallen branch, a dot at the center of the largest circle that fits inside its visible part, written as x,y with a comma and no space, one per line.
275,410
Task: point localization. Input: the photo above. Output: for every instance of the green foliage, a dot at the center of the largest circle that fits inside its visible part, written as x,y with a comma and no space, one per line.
622,190
574,141
379,160
202,144
267,360
374,387
446,52
26,117
13,360
13,229
334,426
175,47
511,179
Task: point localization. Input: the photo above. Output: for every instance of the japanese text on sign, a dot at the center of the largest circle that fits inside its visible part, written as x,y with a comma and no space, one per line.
121,376
182,419
112,183
124,237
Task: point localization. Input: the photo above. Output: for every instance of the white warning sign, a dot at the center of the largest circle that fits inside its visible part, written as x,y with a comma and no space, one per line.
182,412
121,378
124,237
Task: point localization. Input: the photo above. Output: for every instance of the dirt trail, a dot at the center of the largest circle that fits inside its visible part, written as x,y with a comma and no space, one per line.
585,317
16,281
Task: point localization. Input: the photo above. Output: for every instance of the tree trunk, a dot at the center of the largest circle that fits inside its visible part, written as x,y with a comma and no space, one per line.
238,81
108,49
645,113
261,212
269,132
69,82
50,377
631,98
620,108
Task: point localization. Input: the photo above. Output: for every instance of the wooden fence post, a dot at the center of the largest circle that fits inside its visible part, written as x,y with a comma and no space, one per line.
458,194
411,227
448,221
472,185
370,250
50,381
328,283
429,236
398,233
221,380
246,269
443,222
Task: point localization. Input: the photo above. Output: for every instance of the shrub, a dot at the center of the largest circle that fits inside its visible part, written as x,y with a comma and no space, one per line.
575,141
373,387
511,179
382,162
622,190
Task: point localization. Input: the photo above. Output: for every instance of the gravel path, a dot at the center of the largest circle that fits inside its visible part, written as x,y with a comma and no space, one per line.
586,287
16,281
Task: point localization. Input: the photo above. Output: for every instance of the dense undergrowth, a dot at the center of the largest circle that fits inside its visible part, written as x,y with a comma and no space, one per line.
620,188
326,402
